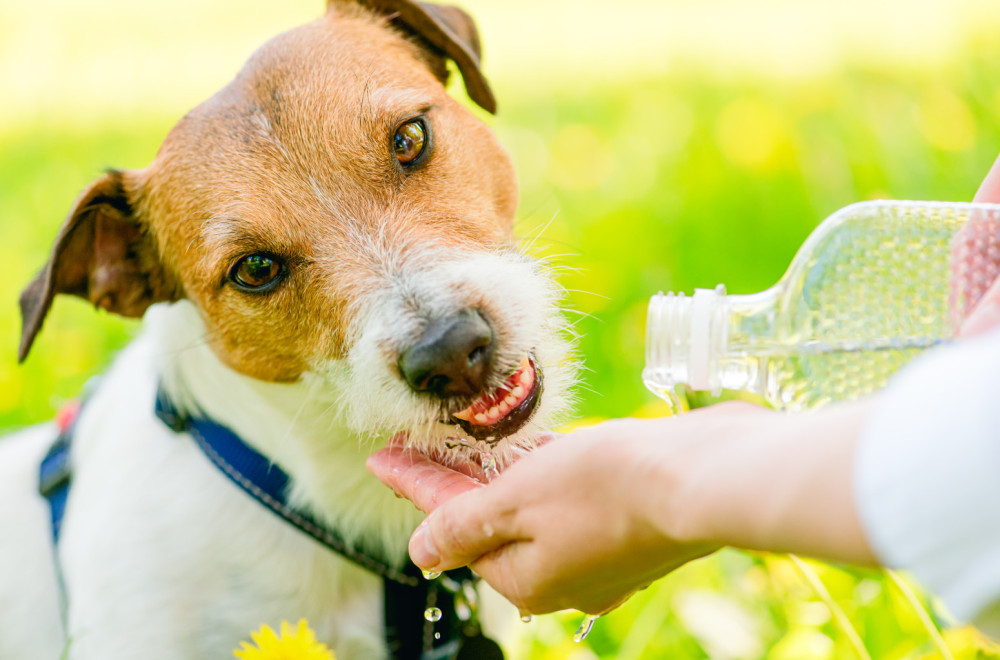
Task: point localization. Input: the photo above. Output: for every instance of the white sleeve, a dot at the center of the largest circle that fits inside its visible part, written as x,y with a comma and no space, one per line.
927,476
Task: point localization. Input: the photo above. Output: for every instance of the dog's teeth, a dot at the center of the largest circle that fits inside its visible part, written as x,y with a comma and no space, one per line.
504,407
526,378
510,400
494,412
480,418
463,415
517,392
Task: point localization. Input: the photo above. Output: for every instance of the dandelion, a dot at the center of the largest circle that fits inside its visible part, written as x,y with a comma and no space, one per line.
301,645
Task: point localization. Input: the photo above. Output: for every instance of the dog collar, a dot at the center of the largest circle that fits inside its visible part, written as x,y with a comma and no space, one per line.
412,632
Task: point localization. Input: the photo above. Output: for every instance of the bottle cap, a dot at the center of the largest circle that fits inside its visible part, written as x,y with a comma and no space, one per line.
684,338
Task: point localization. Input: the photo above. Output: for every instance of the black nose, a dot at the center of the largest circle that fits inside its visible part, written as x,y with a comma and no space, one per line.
452,357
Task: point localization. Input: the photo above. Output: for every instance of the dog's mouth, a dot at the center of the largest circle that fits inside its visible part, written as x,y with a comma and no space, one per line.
505,410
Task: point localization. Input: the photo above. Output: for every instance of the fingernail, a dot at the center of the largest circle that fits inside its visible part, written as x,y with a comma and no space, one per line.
423,552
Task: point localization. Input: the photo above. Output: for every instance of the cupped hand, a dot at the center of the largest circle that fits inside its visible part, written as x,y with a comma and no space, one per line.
582,522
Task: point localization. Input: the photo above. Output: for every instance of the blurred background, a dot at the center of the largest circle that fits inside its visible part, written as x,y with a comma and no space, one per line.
661,145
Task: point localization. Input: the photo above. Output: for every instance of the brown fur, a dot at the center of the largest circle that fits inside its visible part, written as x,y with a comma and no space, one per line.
292,158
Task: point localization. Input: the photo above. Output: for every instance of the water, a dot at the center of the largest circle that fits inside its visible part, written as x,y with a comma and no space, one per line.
585,627
815,373
489,464
430,575
487,461
804,379
526,618
670,395
811,374
432,614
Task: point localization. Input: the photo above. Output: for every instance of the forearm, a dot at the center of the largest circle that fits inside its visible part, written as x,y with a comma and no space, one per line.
777,482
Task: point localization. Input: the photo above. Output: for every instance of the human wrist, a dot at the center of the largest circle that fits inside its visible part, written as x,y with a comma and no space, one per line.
699,484
774,481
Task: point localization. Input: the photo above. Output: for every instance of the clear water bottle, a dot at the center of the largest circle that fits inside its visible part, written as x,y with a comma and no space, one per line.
874,285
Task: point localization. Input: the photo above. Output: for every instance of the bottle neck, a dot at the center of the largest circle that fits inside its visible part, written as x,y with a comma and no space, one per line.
706,341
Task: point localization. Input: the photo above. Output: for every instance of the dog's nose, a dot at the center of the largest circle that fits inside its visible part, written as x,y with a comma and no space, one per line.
452,357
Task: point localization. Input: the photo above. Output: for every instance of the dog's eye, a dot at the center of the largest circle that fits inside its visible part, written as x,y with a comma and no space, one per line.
409,141
255,271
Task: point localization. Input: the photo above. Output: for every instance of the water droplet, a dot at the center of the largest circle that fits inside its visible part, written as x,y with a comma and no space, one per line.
676,401
585,627
489,464
677,404
526,618
437,635
432,614
430,575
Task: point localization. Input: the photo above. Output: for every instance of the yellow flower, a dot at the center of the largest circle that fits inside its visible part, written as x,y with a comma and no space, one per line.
301,645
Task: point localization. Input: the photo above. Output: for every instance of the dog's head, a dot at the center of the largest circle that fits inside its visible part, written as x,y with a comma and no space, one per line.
334,211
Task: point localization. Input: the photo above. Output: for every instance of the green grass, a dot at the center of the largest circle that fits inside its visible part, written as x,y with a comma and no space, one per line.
674,182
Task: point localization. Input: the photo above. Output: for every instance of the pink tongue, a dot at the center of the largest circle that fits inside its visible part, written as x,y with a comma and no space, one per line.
975,264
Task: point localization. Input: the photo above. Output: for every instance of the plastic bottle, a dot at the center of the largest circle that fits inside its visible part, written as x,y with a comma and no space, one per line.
874,285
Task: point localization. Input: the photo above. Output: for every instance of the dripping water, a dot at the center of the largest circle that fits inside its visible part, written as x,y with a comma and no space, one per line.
669,394
585,627
487,460
489,464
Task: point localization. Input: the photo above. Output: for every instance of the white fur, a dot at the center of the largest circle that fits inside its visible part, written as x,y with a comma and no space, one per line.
164,558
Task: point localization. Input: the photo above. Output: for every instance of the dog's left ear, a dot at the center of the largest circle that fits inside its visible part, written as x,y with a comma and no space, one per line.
102,254
449,32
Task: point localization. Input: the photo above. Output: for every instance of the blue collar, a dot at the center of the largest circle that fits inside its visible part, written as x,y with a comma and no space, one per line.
410,636
267,483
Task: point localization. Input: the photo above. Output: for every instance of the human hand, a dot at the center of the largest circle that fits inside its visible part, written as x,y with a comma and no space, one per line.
574,524
985,315
591,517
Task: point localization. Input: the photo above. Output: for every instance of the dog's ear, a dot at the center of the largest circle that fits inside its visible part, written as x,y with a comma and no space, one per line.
102,254
448,32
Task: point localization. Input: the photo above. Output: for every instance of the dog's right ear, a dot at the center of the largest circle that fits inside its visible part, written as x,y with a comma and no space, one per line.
449,32
102,254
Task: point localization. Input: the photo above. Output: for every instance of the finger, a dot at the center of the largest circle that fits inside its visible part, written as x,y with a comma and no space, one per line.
417,478
989,190
986,314
463,529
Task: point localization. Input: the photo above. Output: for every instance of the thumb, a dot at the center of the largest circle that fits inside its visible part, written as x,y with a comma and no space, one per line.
463,529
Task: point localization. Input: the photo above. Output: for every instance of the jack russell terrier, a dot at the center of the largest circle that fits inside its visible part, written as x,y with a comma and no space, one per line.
326,251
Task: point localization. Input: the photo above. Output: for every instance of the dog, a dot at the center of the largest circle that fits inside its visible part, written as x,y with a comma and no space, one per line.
323,254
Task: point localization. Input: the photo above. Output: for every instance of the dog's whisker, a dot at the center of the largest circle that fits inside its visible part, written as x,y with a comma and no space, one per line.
306,400
577,312
538,233
201,341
